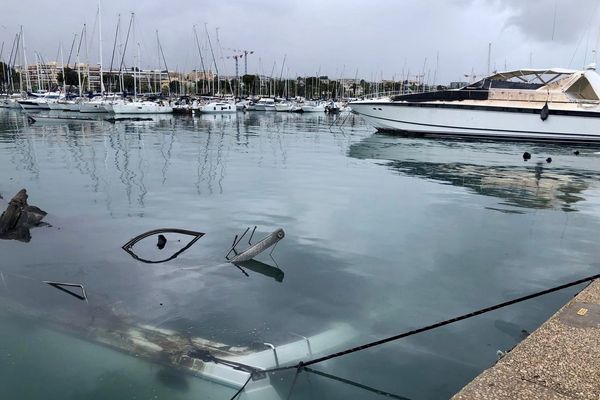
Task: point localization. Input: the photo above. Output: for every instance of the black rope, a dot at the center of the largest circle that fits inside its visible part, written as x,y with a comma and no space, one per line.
242,388
436,325
358,385
304,364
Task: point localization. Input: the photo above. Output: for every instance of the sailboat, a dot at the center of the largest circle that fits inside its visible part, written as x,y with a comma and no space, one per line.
135,106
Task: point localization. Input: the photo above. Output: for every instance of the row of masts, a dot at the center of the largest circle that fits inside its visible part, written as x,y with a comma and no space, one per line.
118,78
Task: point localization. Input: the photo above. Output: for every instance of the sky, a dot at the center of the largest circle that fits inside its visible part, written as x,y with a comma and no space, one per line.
444,40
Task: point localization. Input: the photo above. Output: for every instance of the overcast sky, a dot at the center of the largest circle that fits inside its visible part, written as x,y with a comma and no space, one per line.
374,37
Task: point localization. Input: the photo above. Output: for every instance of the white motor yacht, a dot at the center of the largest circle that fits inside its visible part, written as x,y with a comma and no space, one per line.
534,104
39,102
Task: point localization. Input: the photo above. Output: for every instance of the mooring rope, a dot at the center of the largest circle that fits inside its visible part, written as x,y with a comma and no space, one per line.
302,365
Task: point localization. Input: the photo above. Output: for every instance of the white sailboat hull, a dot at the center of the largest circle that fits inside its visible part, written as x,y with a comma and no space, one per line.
284,107
318,108
140,108
218,108
92,107
33,105
501,122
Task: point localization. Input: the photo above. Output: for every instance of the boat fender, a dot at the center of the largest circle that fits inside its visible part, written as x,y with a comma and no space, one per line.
545,112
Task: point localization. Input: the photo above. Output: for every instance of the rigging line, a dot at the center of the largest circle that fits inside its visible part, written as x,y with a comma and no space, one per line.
356,384
436,325
241,389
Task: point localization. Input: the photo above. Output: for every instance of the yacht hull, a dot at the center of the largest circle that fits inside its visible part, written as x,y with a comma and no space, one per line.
490,122
218,108
140,108
33,105
92,107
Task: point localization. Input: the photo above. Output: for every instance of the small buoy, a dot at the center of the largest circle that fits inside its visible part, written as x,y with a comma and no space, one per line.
548,160
545,112
162,241
526,156
576,152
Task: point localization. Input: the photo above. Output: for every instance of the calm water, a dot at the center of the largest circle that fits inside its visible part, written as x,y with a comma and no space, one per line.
382,233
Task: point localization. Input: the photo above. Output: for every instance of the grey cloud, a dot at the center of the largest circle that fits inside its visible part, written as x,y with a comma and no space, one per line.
550,20
374,37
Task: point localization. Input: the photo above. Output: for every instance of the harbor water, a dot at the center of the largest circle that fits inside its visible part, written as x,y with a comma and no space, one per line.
383,234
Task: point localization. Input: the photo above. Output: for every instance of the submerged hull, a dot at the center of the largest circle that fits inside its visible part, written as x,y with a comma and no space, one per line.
481,121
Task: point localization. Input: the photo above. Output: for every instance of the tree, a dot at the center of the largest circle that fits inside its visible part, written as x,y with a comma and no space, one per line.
70,75
250,83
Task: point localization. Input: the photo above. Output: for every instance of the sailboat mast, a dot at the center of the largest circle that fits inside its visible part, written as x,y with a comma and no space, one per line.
100,48
79,64
201,58
214,60
64,78
160,49
11,62
27,80
125,49
112,57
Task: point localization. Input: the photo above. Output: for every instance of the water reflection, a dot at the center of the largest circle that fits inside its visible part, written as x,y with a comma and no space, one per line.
535,185
261,268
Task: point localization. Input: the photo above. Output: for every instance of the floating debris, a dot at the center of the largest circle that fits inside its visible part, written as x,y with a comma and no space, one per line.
256,249
63,286
129,245
19,217
162,242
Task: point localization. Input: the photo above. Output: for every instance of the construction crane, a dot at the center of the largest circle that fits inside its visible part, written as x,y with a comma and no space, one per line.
244,54
240,54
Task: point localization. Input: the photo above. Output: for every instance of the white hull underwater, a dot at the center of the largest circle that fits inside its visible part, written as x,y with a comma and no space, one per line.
226,367
507,123
140,107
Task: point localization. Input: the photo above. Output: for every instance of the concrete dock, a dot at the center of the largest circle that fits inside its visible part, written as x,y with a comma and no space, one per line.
560,360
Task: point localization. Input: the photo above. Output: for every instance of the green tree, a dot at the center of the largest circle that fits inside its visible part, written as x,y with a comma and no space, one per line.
70,75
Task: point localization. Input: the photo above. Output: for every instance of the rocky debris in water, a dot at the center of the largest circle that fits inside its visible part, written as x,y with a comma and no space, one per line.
18,217
162,242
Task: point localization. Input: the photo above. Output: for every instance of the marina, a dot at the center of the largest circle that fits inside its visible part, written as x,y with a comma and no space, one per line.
284,201
198,295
